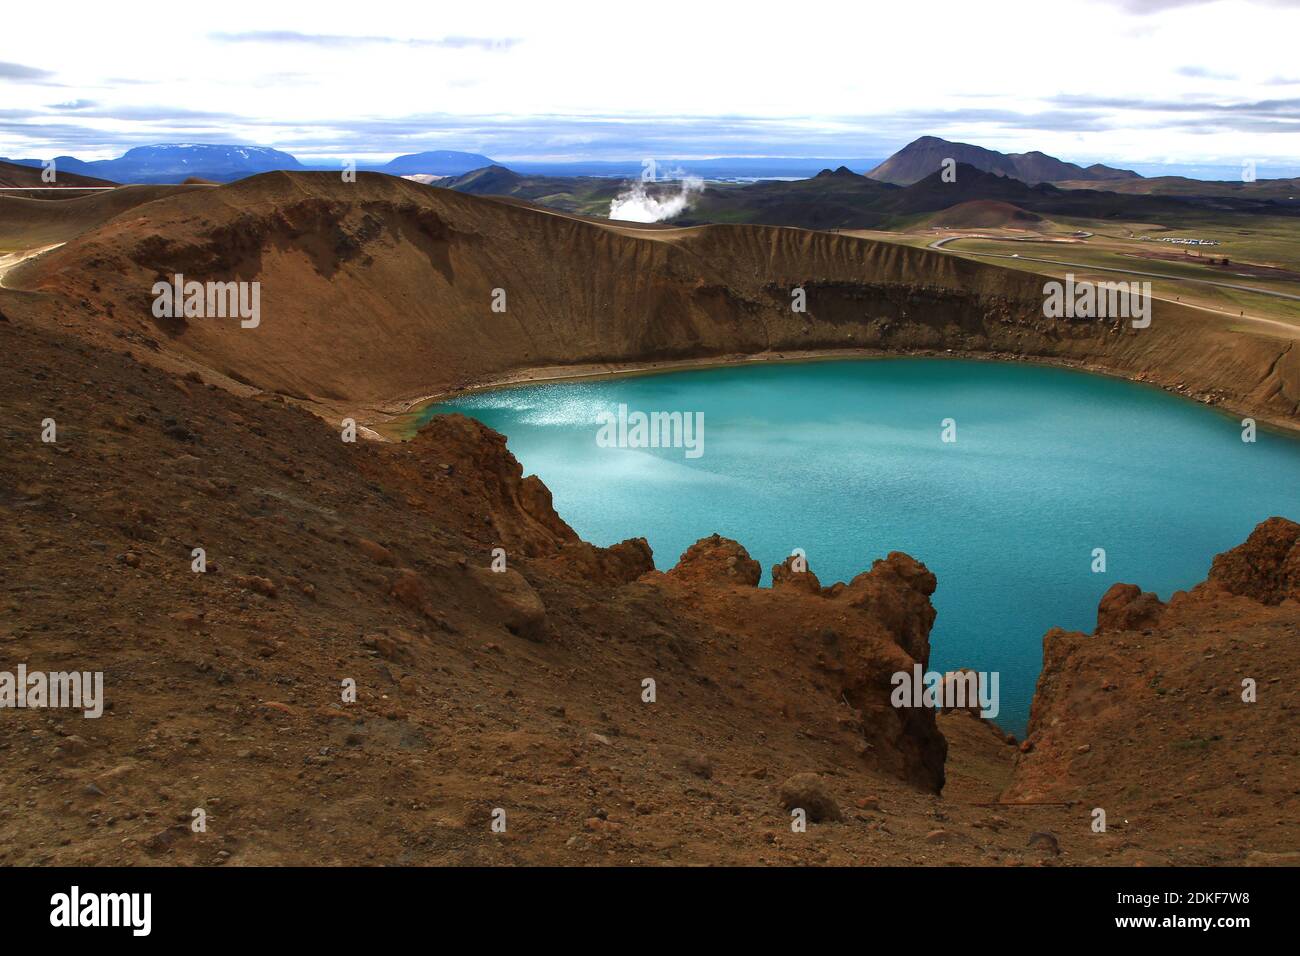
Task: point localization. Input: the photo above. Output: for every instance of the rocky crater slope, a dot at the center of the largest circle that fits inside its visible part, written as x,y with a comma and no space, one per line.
382,291
1183,710
525,690
475,689
334,566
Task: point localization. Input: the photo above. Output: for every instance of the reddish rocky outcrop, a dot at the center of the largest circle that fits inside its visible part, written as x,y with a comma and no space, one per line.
794,572
1266,568
1186,694
855,636
896,591
620,563
809,793
459,463
1126,607
478,688
521,610
717,560
962,686
517,509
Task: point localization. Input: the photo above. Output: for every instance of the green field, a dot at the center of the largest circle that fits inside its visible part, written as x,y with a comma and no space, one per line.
1263,253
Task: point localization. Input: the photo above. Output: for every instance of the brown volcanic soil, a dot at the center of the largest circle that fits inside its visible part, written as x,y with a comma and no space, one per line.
475,689
26,221
379,292
1146,718
18,175
522,690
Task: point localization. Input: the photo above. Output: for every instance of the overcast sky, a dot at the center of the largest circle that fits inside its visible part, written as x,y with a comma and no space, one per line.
1138,81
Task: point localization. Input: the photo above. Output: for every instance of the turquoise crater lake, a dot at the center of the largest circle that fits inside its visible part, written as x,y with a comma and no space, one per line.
845,460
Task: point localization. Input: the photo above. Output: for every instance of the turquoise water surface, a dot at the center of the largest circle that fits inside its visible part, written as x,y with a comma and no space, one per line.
845,460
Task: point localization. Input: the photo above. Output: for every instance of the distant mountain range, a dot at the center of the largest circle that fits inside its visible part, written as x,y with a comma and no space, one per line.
722,167
926,155
584,195
442,162
843,199
492,180
175,163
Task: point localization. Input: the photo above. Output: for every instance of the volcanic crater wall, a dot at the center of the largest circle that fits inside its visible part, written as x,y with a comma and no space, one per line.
382,290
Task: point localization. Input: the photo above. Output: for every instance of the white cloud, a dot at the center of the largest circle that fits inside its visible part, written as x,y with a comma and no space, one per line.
824,71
